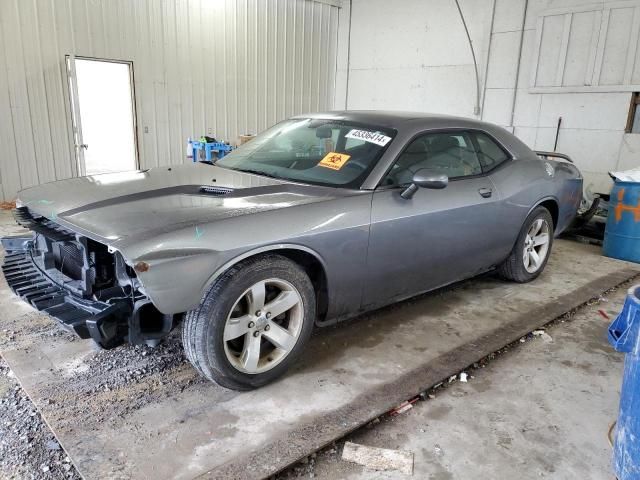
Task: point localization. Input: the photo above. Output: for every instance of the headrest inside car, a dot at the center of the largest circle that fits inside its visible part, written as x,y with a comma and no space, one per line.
323,132
442,143
418,146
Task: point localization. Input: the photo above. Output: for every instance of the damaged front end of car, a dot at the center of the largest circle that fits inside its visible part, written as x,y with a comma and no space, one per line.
86,286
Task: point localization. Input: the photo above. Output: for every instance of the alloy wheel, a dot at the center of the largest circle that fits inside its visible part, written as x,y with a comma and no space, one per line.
536,245
263,326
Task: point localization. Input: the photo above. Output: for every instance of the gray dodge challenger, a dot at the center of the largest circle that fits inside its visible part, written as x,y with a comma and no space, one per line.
315,220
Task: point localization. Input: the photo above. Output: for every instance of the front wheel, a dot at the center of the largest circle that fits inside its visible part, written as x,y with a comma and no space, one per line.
252,323
531,251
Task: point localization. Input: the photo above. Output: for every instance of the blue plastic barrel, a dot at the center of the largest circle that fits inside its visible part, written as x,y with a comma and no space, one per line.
622,234
624,335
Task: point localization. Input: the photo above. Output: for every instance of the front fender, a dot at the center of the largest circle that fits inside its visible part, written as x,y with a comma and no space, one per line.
176,280
257,251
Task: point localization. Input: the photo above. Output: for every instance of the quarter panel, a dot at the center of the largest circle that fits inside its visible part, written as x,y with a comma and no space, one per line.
522,184
568,182
525,183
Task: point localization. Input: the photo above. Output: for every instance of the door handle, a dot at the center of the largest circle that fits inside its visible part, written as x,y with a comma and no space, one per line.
485,192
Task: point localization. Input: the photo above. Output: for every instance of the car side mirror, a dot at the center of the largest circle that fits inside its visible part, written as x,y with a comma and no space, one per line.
425,178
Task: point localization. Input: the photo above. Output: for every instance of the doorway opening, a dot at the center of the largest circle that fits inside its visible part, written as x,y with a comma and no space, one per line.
103,115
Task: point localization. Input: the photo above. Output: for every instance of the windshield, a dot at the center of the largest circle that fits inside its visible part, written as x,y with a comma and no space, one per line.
317,151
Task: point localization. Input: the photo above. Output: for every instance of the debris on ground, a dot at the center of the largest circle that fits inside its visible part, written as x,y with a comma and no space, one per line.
53,445
463,377
112,369
427,394
104,385
404,406
328,455
378,458
543,335
603,314
305,468
139,375
28,449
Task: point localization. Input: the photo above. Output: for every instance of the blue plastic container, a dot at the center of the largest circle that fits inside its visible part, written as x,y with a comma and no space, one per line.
622,234
217,149
624,335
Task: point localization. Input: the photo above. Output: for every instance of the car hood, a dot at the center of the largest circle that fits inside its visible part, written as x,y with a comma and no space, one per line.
113,207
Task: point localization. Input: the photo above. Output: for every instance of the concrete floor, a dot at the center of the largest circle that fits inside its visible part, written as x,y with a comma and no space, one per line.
541,410
118,415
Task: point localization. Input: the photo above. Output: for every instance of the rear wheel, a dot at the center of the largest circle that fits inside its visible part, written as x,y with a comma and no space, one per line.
252,323
531,251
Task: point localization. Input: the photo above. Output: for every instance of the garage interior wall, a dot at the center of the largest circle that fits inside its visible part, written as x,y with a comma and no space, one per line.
217,67
580,61
413,55
537,60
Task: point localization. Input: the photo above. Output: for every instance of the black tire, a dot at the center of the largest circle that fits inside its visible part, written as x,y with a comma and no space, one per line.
204,327
513,268
188,343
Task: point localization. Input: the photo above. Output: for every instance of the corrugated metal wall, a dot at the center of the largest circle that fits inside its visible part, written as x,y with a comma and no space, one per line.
223,67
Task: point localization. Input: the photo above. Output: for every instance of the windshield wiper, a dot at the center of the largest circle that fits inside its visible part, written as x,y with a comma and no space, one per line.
258,172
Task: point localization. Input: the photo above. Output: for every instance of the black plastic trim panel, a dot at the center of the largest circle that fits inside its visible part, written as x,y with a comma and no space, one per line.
79,315
41,225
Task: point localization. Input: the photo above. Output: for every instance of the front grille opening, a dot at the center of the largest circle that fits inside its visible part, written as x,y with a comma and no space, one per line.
102,263
69,259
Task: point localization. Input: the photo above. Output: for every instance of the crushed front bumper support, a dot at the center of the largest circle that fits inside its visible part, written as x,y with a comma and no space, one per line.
87,318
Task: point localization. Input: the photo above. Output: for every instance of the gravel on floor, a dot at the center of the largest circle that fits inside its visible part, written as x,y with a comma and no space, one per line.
28,449
129,376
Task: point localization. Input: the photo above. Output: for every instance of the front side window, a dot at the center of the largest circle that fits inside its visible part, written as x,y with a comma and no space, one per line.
318,151
451,153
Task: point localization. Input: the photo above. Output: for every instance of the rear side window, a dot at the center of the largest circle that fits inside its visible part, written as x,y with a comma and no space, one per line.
489,152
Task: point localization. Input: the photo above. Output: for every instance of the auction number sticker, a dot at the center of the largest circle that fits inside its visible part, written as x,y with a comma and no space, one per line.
371,137
334,161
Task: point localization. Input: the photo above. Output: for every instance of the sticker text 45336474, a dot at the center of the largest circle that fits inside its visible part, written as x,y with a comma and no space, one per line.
371,137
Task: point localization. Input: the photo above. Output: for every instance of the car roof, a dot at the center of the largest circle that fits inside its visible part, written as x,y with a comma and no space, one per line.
397,119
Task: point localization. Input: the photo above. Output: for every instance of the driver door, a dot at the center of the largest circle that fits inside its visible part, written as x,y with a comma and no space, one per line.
437,236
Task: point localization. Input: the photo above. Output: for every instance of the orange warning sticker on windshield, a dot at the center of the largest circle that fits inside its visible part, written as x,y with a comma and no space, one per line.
334,161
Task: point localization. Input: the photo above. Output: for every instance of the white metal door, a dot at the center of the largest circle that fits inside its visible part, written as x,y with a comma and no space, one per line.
103,114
